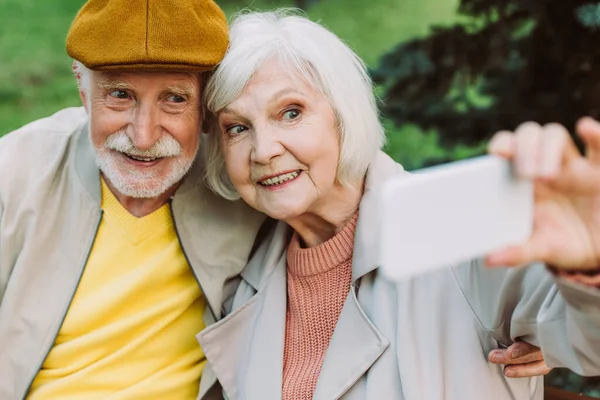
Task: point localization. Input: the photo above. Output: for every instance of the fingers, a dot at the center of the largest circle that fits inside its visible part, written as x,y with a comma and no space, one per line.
527,152
517,353
539,152
521,360
502,144
522,352
556,147
588,130
527,370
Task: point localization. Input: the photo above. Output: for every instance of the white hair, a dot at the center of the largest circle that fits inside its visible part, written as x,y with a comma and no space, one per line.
311,51
84,76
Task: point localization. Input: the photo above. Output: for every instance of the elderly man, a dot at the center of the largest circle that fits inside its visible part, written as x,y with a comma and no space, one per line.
112,254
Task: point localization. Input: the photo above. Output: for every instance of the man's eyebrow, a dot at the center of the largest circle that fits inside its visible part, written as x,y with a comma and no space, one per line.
113,84
186,89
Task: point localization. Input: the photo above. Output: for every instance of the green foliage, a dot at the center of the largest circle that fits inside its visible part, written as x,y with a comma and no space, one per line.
509,62
35,78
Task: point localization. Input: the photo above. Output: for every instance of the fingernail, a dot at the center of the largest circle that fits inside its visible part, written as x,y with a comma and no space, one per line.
509,372
497,358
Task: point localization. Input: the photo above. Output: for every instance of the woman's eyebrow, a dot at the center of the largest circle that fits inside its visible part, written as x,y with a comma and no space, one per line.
284,92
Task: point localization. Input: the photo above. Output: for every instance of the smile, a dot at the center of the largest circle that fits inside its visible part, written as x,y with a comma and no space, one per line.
279,179
139,158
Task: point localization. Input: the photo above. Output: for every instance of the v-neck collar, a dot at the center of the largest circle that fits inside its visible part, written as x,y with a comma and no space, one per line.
136,229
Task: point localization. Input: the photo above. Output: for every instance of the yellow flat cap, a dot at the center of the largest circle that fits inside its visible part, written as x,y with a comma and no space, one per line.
188,35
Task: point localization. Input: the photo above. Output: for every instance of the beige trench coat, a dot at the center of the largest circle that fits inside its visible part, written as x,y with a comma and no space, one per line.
423,339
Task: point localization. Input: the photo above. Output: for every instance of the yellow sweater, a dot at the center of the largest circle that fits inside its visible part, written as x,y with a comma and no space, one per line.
130,330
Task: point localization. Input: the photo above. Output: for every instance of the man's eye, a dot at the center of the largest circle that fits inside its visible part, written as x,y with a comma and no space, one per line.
291,114
119,94
236,130
176,99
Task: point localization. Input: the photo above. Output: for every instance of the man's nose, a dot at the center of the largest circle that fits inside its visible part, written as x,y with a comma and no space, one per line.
145,127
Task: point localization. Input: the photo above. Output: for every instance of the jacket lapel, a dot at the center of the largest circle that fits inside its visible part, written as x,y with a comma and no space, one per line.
216,235
355,345
245,348
366,250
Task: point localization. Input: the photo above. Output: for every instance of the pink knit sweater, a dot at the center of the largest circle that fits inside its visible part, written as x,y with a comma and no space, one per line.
318,284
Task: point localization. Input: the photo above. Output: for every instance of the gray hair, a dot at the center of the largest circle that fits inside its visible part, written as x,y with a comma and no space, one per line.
83,75
312,52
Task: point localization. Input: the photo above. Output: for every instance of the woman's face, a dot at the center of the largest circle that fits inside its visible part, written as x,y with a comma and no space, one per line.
280,143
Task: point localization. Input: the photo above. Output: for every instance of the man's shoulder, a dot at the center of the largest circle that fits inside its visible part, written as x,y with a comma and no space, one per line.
43,134
38,147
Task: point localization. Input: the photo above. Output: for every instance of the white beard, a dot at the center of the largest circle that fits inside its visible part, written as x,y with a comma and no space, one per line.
131,182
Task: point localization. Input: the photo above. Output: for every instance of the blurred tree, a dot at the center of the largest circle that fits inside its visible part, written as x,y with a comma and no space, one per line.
502,63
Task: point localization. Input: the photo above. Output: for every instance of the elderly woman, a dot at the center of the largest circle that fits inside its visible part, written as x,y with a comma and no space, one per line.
296,135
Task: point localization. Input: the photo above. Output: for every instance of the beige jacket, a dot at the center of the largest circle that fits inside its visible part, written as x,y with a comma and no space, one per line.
49,214
423,339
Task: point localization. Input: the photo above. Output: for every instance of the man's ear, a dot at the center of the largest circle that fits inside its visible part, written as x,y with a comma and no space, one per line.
82,94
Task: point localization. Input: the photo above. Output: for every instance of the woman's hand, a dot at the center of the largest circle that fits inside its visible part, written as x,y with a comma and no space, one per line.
566,229
520,360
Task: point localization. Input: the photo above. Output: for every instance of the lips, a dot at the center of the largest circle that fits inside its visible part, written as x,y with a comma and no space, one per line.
279,179
144,159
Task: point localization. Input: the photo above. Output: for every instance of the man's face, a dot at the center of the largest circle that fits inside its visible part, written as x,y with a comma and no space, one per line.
145,128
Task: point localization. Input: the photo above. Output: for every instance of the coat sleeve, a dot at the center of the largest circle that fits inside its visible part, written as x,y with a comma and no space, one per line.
4,271
530,304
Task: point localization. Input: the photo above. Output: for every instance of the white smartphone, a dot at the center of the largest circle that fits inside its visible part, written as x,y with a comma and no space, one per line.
440,216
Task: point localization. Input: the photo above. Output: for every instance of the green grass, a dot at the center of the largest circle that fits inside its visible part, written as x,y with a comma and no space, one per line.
35,75
36,79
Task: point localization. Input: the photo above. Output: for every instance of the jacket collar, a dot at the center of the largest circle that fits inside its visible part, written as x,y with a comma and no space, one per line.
365,258
245,349
85,162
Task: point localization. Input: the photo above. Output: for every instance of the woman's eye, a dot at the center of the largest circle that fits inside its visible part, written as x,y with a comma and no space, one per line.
236,130
291,114
176,99
119,94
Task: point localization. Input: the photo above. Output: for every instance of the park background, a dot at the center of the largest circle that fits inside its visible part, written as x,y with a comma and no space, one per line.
449,73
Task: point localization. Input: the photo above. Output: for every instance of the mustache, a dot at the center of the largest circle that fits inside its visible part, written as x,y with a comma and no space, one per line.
166,146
